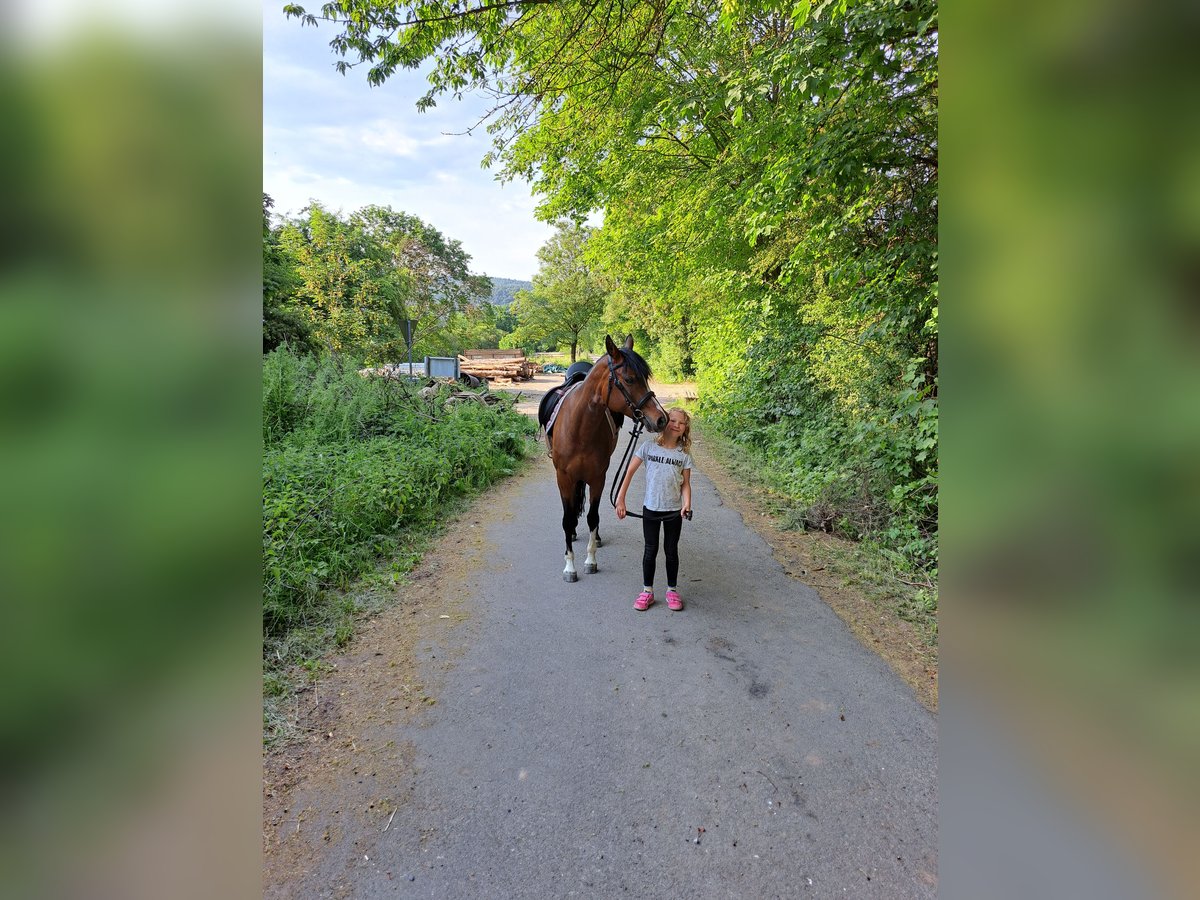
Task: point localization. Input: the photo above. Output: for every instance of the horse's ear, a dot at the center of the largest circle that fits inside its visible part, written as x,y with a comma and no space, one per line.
629,342
611,348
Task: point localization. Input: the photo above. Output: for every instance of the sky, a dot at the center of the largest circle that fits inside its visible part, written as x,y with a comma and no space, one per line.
335,139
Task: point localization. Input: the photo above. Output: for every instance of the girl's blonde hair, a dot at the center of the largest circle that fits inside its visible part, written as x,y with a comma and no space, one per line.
685,439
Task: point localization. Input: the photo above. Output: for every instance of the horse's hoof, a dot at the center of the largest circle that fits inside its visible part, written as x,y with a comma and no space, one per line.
590,569
570,577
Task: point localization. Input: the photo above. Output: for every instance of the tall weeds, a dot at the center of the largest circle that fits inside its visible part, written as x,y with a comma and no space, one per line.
352,467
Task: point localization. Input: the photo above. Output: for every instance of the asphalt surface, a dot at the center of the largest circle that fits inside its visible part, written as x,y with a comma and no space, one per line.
747,747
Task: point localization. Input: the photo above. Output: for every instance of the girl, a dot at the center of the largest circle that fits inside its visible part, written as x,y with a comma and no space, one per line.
668,498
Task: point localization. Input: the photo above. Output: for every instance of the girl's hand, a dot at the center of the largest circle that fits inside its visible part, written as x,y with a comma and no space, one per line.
686,512
620,508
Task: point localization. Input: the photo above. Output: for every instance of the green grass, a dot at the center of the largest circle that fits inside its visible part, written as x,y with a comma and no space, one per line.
294,659
561,359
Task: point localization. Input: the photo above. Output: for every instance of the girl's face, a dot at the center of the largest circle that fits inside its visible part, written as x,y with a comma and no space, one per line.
677,424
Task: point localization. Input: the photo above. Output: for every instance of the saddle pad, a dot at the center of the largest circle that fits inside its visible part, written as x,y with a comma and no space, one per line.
558,406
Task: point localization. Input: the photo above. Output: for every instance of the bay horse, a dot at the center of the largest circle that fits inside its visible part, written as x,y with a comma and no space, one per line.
583,435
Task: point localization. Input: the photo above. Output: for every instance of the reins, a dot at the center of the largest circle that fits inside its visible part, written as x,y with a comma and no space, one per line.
624,467
639,420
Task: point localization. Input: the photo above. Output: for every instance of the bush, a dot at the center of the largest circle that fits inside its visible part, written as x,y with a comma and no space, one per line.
862,463
349,465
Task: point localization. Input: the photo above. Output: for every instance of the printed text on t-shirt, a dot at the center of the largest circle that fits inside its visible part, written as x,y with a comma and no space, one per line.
678,463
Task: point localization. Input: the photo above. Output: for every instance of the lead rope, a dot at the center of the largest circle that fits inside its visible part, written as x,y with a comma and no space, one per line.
624,467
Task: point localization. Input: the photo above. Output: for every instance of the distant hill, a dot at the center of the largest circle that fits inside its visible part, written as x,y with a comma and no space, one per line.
505,289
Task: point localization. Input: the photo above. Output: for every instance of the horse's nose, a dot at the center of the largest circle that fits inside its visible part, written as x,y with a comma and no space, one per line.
661,422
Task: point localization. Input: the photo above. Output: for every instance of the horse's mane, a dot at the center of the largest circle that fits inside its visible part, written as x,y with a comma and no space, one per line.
635,362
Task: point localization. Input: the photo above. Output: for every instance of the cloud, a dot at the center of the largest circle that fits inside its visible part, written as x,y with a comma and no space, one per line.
391,139
283,77
334,139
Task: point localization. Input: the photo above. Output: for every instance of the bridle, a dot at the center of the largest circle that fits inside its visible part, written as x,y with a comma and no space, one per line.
638,415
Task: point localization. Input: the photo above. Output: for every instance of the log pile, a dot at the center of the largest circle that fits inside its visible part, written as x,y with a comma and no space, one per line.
502,365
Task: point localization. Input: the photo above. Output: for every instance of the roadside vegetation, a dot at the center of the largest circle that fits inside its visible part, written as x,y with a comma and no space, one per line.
867,566
358,474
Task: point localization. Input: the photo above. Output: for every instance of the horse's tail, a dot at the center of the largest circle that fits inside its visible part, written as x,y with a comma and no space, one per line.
577,501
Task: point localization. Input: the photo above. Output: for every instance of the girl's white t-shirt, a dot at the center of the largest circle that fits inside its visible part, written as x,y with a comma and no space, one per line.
664,476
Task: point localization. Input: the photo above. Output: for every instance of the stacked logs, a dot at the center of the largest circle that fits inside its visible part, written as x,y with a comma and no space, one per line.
502,365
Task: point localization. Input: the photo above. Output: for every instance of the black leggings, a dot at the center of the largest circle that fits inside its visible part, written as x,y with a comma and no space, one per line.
672,525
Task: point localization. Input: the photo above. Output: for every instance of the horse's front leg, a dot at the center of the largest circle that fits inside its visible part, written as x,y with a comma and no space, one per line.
590,564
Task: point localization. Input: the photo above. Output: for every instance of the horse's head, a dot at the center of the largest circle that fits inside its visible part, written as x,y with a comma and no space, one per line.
630,375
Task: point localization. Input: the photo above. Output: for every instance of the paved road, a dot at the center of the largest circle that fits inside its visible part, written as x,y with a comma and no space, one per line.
577,747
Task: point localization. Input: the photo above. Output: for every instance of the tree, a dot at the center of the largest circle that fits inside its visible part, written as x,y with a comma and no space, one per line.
481,325
363,275
439,287
281,324
567,297
351,293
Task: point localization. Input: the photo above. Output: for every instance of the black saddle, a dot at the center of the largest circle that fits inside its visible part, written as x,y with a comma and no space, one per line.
578,370
574,375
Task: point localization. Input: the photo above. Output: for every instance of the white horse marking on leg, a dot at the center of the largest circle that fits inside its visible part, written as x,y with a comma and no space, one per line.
589,564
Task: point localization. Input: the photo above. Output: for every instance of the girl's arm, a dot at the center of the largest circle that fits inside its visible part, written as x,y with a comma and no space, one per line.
687,492
633,467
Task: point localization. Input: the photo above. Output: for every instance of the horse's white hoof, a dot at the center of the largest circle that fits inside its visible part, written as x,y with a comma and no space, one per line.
570,577
590,569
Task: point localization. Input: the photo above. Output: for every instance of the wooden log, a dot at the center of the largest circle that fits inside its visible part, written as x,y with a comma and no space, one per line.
478,368
493,354
515,370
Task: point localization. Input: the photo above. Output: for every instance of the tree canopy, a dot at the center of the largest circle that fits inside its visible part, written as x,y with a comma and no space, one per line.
567,298
281,325
359,277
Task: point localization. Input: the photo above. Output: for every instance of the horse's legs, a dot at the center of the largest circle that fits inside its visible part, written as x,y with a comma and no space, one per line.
593,521
569,520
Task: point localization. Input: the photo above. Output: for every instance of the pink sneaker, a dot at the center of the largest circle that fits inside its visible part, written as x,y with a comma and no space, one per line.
644,601
674,601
